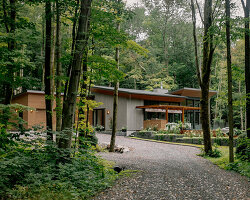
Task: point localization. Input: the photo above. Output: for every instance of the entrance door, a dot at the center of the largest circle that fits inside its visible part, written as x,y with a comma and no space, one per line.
99,117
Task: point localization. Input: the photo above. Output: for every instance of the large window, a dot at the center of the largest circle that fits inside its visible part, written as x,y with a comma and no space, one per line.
154,115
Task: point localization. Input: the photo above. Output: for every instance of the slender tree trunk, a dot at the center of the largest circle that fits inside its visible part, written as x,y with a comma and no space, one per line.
10,25
42,52
58,69
115,103
241,110
72,48
47,78
208,51
230,87
83,94
53,49
70,100
246,8
195,43
204,74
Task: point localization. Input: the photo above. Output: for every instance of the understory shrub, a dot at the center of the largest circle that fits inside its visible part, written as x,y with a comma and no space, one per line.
215,153
34,169
243,148
240,166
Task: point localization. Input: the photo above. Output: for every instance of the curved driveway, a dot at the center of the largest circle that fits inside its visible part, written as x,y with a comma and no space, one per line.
170,172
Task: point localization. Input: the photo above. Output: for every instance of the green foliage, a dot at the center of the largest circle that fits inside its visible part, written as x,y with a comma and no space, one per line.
242,167
9,119
215,153
34,169
243,148
238,132
99,128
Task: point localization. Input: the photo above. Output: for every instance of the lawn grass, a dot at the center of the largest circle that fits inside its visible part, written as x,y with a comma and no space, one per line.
242,167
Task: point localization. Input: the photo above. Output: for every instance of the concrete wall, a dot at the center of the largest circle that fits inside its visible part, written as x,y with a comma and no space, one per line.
134,116
107,101
128,116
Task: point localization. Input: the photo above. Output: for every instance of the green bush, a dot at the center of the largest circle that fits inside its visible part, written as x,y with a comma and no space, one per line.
243,148
241,167
28,172
215,153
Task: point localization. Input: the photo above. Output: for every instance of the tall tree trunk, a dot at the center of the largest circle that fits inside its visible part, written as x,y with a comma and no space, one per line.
115,103
71,96
58,69
52,57
204,73
246,8
10,25
230,88
42,52
241,110
48,97
83,95
72,48
208,51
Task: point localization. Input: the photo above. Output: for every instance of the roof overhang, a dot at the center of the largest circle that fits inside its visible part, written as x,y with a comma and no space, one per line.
168,107
134,95
192,92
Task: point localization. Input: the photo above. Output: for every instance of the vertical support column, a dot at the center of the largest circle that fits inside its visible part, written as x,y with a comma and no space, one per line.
167,114
182,119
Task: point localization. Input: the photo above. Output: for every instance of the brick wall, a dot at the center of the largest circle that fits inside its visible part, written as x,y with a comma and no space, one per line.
158,123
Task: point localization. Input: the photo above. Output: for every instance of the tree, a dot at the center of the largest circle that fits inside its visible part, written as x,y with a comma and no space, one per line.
58,68
116,87
205,71
229,73
47,74
81,43
246,7
10,25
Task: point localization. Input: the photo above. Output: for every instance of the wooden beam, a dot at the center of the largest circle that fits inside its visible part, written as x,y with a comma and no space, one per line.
182,119
167,115
170,107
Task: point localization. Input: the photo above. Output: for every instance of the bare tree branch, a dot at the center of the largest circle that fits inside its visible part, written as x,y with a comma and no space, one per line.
198,6
195,43
243,5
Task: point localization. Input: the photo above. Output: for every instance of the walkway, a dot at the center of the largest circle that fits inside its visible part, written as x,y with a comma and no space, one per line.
170,172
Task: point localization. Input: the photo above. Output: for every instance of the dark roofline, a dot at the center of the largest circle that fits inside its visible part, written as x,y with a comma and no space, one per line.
31,92
142,92
194,89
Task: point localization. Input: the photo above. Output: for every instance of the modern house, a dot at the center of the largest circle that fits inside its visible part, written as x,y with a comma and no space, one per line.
137,109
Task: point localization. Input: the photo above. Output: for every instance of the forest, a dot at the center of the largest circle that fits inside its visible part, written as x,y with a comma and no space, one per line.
67,46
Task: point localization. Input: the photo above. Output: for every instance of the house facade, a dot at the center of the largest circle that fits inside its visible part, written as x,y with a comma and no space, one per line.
139,109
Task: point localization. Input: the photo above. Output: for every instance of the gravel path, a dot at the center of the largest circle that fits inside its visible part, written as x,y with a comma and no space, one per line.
170,172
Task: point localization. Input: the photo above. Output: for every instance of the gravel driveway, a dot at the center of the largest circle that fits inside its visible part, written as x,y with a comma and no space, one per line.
170,172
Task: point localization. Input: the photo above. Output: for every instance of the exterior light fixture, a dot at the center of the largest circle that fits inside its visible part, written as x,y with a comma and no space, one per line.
31,111
108,112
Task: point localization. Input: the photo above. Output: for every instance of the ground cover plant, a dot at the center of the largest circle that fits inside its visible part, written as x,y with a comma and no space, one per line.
38,170
34,168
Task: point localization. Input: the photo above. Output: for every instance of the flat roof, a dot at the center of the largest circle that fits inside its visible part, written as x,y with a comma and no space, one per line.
169,107
133,91
138,94
192,92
